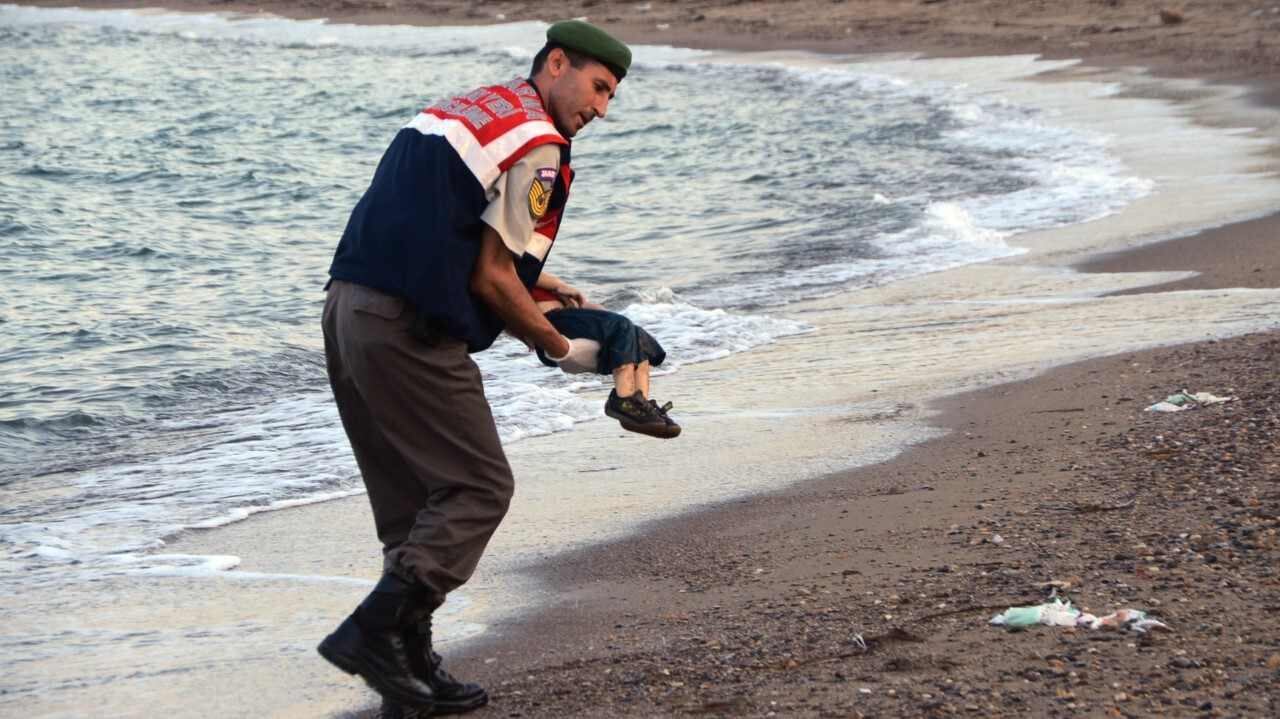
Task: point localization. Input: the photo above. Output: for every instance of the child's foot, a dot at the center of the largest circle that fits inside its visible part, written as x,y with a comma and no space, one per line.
637,414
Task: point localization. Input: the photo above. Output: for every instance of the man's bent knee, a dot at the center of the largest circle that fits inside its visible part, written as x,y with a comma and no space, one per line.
497,498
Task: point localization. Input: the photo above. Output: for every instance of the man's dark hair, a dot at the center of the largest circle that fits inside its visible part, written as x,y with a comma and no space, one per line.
576,59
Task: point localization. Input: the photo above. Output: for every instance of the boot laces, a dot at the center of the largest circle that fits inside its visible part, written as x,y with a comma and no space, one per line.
661,409
437,663
434,660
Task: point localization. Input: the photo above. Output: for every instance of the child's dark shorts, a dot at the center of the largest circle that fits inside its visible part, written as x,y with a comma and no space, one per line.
621,341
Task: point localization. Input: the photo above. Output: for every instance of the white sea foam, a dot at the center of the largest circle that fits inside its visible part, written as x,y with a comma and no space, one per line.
1068,173
691,334
948,228
180,565
947,237
1074,178
241,513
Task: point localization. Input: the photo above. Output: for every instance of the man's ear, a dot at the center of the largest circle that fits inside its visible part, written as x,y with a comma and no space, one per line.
556,62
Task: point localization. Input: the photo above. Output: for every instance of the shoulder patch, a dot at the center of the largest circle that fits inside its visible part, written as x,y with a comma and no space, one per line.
540,191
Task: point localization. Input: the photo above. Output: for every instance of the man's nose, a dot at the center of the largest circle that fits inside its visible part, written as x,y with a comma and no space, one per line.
601,106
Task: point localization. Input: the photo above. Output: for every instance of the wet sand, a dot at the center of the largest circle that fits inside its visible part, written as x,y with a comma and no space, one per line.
751,608
1245,254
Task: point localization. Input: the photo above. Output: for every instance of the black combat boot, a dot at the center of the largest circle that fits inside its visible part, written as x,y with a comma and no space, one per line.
371,642
452,696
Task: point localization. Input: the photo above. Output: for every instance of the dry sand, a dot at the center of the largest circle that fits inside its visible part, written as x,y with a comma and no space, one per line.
752,609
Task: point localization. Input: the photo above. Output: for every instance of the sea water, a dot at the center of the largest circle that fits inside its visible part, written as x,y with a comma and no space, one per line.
172,187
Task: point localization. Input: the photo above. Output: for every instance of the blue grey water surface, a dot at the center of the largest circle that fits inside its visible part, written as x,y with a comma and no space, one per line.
171,191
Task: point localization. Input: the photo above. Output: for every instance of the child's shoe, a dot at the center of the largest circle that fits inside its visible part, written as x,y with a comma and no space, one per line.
637,414
673,429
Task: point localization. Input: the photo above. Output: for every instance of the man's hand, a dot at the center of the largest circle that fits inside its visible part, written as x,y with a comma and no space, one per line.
569,295
582,357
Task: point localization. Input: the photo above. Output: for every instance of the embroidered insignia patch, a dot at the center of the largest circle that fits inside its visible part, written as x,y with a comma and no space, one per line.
540,192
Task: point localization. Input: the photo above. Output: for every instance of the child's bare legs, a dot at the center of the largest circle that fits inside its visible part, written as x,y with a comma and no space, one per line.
629,378
642,378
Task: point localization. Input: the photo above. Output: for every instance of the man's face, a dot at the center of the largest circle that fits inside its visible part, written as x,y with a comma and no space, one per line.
576,95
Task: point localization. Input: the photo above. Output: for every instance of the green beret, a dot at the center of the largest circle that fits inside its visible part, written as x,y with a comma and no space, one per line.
591,40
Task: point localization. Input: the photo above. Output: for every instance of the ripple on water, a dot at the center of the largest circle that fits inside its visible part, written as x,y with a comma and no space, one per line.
44,171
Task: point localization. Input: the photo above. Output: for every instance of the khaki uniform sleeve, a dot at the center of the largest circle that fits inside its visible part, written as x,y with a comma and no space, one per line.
515,210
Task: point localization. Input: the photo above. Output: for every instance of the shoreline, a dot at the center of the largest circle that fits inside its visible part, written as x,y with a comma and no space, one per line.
693,595
749,609
1241,254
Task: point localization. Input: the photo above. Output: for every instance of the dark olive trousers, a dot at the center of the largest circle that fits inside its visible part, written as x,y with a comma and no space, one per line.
423,435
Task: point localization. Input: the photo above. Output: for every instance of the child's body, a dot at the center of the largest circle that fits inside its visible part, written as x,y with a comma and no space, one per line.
626,351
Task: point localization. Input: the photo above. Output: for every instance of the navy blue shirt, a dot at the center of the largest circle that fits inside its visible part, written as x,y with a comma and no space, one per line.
415,234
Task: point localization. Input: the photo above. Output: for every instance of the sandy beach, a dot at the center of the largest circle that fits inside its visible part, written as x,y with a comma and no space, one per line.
867,592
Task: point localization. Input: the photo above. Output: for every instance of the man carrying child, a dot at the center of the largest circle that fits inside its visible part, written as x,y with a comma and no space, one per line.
439,257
